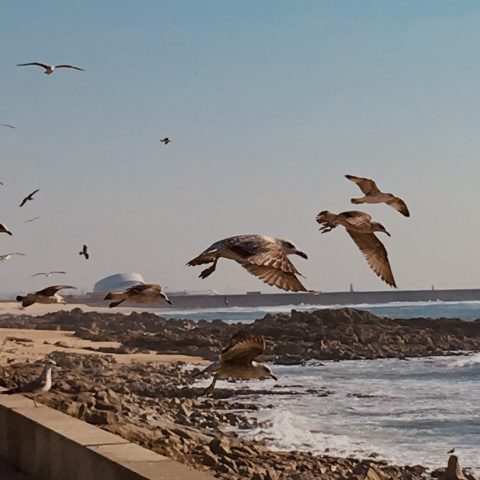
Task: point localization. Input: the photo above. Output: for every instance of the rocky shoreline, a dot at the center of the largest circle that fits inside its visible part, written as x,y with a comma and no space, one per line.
330,334
158,406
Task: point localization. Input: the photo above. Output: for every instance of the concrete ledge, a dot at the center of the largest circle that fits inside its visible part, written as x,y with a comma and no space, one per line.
50,445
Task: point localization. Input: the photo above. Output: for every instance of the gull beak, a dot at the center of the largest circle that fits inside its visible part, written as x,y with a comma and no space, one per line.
273,376
387,233
301,254
168,301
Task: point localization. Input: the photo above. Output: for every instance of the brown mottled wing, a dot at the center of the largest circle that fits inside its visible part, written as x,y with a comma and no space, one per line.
367,186
49,291
243,348
139,289
375,254
271,264
357,219
275,277
399,205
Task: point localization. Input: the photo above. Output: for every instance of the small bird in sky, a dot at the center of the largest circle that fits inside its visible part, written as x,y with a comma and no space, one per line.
451,450
7,125
42,384
30,220
237,361
165,140
1,183
145,293
46,295
262,256
48,274
4,229
85,252
374,195
8,256
49,69
361,228
29,198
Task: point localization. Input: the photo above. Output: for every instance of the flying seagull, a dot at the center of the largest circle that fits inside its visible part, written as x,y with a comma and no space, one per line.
361,228
47,274
49,69
262,256
29,198
7,125
85,252
47,295
30,220
146,293
165,140
237,361
4,229
374,195
8,256
40,385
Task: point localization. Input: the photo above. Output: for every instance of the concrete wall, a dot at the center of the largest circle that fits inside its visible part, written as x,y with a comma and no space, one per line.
50,445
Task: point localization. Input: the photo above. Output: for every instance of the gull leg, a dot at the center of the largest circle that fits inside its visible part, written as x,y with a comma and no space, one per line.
208,271
35,402
210,388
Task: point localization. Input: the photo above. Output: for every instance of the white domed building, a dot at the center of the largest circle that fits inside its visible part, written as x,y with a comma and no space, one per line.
117,282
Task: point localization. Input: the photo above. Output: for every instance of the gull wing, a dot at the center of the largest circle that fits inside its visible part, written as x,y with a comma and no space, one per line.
39,273
399,205
69,66
143,288
242,349
50,291
367,186
357,219
375,254
38,64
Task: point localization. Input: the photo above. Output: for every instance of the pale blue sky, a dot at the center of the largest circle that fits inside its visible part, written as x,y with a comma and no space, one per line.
268,104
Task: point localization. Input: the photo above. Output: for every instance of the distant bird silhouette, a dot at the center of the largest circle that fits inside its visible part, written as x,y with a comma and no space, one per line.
7,125
48,274
452,450
85,252
1,183
49,69
237,361
374,195
30,220
29,198
146,293
4,229
166,140
46,295
262,256
8,256
42,384
361,228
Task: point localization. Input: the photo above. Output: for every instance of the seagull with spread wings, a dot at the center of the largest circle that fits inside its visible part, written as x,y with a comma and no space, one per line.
8,256
42,384
144,293
46,295
165,140
30,220
4,229
361,228
29,197
374,195
85,252
237,361
48,274
262,256
49,69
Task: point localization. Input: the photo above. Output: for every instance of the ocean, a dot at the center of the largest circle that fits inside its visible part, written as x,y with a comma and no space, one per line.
406,412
